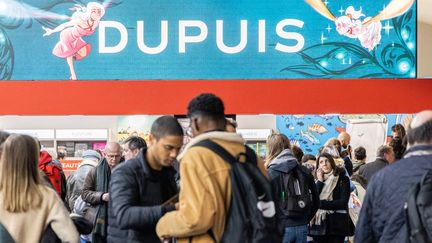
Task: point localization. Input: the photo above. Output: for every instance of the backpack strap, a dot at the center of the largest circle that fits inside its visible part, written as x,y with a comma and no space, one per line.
412,214
225,155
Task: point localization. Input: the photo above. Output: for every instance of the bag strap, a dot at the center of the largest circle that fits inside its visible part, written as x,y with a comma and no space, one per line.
225,155
294,173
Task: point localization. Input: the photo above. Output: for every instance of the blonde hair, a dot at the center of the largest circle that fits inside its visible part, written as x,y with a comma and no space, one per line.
20,181
276,143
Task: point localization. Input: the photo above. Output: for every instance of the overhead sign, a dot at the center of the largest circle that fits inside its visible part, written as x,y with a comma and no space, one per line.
41,134
207,39
83,134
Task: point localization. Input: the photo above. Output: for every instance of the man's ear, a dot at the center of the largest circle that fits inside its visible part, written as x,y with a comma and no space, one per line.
151,139
195,123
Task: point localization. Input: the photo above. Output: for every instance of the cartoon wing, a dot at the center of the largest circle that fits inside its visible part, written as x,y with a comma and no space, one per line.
321,8
15,9
394,8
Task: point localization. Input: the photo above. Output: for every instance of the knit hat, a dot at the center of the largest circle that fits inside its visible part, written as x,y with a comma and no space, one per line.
89,154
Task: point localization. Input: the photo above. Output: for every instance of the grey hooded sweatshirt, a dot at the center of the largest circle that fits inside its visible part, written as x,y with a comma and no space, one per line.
284,163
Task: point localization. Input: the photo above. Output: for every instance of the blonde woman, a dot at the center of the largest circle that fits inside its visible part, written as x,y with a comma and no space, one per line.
294,189
276,143
28,206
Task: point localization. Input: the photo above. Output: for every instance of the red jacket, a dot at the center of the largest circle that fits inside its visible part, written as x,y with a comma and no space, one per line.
51,170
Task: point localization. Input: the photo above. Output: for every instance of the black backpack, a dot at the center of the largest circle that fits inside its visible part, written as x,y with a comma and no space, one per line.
418,209
295,197
252,215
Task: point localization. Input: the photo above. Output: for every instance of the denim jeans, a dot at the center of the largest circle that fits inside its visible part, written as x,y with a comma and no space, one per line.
83,240
296,234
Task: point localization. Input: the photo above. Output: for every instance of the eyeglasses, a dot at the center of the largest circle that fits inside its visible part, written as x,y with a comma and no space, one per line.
113,156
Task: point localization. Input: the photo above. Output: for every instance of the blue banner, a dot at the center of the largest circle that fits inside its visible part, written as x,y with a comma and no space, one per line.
207,39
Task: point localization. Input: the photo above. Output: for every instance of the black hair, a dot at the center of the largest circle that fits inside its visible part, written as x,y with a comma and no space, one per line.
421,134
399,129
207,105
135,142
308,157
336,170
360,153
398,148
166,126
297,152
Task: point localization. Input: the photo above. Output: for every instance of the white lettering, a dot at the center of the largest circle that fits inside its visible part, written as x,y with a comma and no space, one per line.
289,35
219,38
183,39
261,36
152,50
123,37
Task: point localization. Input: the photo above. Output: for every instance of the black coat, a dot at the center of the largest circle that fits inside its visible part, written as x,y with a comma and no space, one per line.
382,217
337,223
369,169
136,195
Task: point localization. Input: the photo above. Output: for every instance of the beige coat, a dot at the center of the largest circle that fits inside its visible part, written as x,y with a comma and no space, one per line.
28,227
205,190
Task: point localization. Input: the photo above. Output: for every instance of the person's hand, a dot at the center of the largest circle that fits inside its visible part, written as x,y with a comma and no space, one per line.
105,197
320,175
177,205
48,31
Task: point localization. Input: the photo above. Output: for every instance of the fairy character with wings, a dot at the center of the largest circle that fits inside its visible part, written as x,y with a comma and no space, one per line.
83,22
366,30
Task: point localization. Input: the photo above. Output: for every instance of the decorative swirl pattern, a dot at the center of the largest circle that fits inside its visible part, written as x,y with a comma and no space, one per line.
342,59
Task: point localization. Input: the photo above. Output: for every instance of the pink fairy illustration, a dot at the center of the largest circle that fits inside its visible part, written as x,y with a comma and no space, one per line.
368,30
83,22
351,26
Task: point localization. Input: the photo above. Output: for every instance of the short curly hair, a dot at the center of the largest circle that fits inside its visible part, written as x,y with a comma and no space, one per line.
208,105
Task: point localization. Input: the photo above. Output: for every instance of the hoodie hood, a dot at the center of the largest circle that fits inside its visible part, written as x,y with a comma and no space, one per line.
284,162
92,162
44,157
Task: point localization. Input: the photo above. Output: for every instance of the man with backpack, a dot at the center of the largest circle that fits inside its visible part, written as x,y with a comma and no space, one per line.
382,217
209,196
295,193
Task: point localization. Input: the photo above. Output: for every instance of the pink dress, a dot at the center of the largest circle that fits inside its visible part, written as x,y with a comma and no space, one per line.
71,42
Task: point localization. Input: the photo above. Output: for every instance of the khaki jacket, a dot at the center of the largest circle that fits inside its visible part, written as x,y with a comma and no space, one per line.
28,227
205,190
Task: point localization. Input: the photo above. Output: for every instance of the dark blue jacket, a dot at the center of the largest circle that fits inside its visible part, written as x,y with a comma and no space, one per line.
283,164
136,195
382,217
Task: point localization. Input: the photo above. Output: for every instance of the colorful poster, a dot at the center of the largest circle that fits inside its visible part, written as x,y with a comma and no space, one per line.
138,125
310,132
206,39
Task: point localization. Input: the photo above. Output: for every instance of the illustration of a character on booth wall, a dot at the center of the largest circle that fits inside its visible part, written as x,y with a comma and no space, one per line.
82,23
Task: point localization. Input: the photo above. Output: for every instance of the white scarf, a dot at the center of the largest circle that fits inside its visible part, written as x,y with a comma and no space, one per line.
326,194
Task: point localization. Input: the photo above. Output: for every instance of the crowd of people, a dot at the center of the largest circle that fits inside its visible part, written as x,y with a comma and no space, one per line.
162,191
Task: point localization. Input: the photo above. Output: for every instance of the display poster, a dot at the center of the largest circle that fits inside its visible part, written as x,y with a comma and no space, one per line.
138,125
207,39
310,132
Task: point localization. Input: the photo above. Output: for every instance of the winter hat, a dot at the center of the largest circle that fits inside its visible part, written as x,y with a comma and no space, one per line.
89,154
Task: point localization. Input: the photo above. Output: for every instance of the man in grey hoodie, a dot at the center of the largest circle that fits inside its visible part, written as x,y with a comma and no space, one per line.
75,181
295,224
